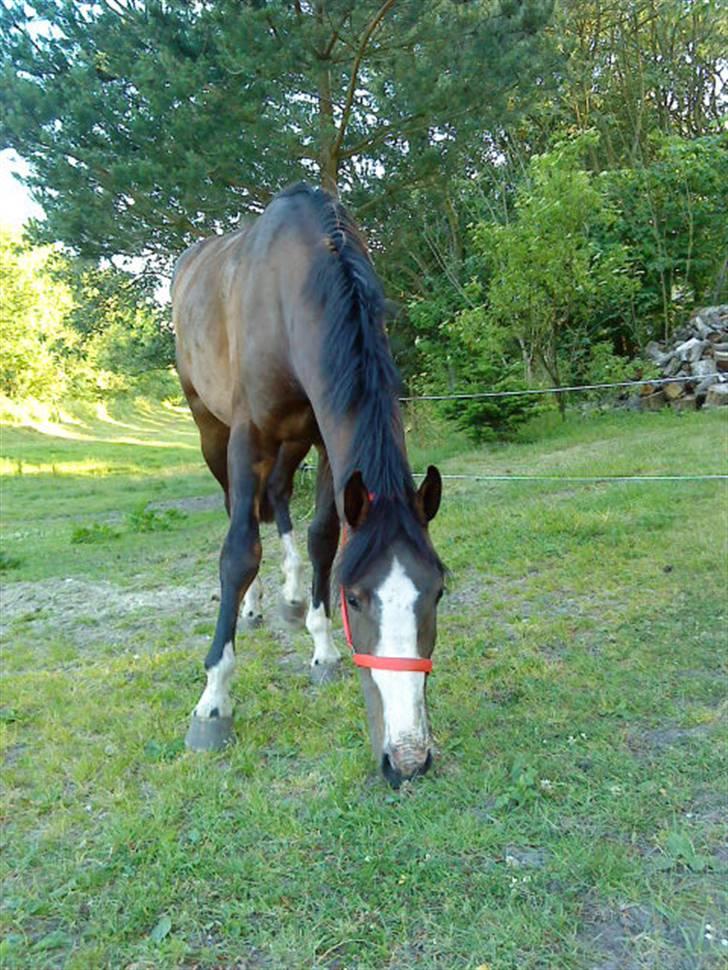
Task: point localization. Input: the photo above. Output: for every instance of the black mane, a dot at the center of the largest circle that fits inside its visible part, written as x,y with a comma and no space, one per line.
362,377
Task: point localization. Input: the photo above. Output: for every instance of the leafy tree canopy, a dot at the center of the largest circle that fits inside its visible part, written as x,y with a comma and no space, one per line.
150,122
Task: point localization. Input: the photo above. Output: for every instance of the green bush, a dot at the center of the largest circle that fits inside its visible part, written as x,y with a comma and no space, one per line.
96,532
144,519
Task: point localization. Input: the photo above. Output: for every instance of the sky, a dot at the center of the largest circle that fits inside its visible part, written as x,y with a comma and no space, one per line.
16,206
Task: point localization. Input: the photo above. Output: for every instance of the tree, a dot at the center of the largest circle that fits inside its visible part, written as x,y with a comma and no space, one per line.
629,70
33,334
554,274
671,216
150,122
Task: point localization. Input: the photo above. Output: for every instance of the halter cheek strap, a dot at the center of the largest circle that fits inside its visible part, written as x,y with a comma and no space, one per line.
372,661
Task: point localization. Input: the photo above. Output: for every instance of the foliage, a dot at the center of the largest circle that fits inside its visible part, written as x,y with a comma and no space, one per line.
630,70
68,328
555,274
34,336
95,532
543,183
671,216
9,562
149,124
463,354
143,519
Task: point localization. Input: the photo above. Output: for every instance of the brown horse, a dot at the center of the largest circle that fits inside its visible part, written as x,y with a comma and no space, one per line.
280,347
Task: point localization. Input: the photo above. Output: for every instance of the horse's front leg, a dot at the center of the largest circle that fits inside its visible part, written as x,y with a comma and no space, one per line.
211,726
323,539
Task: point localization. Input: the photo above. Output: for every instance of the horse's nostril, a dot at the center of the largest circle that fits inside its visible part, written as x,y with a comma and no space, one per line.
392,774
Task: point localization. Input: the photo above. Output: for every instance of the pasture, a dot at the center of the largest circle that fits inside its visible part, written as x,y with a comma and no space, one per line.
576,814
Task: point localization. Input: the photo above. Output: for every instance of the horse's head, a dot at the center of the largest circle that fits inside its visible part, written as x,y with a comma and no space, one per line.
390,593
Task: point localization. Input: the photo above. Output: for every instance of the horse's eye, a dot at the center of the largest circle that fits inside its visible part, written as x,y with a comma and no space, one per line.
353,601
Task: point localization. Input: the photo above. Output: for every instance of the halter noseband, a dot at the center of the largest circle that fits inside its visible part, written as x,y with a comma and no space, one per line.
369,660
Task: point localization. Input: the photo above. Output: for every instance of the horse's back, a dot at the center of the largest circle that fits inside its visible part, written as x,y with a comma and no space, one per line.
204,276
242,314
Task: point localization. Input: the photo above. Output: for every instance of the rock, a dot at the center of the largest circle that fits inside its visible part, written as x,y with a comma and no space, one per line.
704,368
691,350
671,368
713,317
686,403
704,386
717,396
655,352
701,328
721,360
652,402
673,390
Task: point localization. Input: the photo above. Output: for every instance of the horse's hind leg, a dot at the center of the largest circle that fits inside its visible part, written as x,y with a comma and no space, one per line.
211,725
323,539
214,437
280,489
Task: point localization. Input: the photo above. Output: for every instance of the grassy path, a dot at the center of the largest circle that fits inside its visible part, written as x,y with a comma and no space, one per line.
576,816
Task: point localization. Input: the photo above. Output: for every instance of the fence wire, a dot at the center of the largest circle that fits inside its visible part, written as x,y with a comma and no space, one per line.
477,395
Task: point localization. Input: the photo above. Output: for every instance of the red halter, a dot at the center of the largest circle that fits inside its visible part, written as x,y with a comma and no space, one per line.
370,660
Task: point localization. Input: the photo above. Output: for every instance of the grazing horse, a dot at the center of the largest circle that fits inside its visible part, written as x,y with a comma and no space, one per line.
280,347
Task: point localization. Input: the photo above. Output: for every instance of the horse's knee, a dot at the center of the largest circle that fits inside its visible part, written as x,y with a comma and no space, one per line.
240,557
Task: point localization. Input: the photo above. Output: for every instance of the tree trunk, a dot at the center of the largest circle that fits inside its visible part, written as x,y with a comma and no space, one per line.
328,161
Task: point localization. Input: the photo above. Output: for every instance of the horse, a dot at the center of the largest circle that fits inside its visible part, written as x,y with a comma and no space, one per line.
280,347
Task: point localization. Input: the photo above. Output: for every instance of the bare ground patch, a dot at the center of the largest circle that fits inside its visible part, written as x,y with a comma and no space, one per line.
637,937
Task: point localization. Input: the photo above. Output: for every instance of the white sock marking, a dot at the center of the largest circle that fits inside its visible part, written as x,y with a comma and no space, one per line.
294,587
319,626
217,692
253,601
402,692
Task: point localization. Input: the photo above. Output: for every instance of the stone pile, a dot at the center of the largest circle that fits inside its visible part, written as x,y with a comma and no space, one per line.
697,357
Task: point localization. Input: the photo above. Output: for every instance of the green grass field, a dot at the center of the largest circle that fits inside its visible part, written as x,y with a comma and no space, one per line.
575,816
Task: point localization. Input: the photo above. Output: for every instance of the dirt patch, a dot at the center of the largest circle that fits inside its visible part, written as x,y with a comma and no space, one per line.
709,807
650,742
195,503
88,612
528,857
637,937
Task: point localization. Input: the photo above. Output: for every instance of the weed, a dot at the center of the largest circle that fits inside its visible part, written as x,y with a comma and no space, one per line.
8,562
144,519
97,532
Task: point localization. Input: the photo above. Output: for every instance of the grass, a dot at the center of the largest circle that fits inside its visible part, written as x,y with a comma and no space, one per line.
575,817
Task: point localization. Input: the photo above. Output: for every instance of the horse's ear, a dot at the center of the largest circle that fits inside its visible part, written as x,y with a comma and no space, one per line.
356,501
429,494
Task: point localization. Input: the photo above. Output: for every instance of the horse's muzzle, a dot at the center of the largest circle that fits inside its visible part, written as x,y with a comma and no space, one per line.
405,766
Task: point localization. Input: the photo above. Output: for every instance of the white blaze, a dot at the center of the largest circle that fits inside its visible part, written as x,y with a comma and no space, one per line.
402,692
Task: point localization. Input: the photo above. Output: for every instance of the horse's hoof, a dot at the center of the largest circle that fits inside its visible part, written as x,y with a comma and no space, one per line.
293,613
325,673
209,733
252,622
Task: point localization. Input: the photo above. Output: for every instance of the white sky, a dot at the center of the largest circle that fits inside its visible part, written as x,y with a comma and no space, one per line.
16,206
